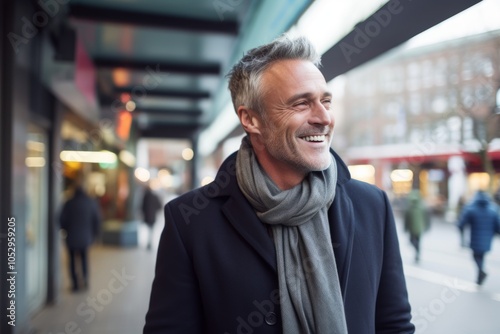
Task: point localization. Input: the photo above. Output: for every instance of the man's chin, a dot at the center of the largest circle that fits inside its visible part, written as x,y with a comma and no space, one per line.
319,166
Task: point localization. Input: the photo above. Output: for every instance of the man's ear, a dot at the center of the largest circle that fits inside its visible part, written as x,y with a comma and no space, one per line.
249,120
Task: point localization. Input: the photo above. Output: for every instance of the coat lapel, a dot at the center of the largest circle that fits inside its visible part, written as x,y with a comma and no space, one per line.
341,218
245,221
241,214
243,218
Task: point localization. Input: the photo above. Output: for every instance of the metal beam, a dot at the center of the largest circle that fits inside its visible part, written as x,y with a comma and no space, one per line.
182,67
174,93
169,112
150,19
177,131
394,23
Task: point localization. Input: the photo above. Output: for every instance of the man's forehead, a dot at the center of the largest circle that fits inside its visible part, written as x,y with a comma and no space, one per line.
292,72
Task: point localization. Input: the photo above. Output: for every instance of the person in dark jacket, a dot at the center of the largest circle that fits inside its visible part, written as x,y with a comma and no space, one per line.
416,220
150,206
80,218
283,240
482,218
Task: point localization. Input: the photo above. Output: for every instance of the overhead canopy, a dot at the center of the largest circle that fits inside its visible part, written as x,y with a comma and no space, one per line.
170,57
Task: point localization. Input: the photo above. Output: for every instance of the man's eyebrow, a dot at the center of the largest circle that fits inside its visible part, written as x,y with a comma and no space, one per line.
306,96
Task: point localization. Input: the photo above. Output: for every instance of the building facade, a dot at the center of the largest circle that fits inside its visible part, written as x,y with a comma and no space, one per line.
427,118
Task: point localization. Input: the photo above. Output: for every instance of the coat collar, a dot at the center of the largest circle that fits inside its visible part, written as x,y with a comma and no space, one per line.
228,170
241,215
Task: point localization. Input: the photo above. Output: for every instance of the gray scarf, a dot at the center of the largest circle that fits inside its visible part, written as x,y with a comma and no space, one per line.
310,295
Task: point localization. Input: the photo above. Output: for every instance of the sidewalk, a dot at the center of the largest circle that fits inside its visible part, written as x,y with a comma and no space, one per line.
120,283
118,295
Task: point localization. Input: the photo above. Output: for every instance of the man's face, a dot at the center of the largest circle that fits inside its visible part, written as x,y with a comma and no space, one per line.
297,123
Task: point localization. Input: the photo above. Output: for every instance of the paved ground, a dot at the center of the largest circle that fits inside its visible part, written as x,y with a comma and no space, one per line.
118,294
441,289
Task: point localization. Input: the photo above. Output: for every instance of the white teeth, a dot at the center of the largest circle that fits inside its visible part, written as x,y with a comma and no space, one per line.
315,138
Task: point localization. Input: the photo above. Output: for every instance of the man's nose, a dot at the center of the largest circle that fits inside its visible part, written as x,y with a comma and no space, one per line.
321,114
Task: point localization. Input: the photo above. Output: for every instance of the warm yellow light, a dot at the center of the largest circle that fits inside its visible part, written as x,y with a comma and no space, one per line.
35,146
478,181
142,174
130,106
165,178
35,161
163,172
401,175
187,154
121,77
155,184
364,173
127,158
105,157
206,180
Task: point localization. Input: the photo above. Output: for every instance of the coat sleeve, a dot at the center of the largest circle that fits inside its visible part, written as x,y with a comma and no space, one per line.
463,219
393,311
96,219
63,219
174,305
497,224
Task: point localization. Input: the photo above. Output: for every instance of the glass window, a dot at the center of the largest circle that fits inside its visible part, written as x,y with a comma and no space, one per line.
440,72
413,73
439,104
468,128
454,126
416,135
428,75
36,224
440,133
467,68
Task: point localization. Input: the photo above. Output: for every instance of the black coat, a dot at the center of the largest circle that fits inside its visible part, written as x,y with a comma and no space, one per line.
216,264
150,206
81,219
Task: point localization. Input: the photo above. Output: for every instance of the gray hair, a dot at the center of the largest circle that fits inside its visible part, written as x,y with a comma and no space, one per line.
245,76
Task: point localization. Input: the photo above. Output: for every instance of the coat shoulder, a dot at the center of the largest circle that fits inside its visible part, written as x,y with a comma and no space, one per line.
360,192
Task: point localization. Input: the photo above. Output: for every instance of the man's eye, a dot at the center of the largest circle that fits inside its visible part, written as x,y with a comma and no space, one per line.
300,103
327,103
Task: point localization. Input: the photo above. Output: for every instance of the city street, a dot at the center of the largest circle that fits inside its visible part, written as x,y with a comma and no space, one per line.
442,289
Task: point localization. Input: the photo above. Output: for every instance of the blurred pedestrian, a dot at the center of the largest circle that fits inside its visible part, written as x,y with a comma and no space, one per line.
150,206
460,207
80,218
416,220
483,220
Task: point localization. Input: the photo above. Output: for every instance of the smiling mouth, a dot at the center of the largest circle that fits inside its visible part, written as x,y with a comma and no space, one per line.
315,139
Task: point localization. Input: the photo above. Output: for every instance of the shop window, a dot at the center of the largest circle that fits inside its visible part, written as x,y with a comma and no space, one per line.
477,181
37,214
364,173
401,181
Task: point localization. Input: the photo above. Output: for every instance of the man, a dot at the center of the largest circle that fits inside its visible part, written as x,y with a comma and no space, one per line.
81,219
416,220
283,241
149,207
482,217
